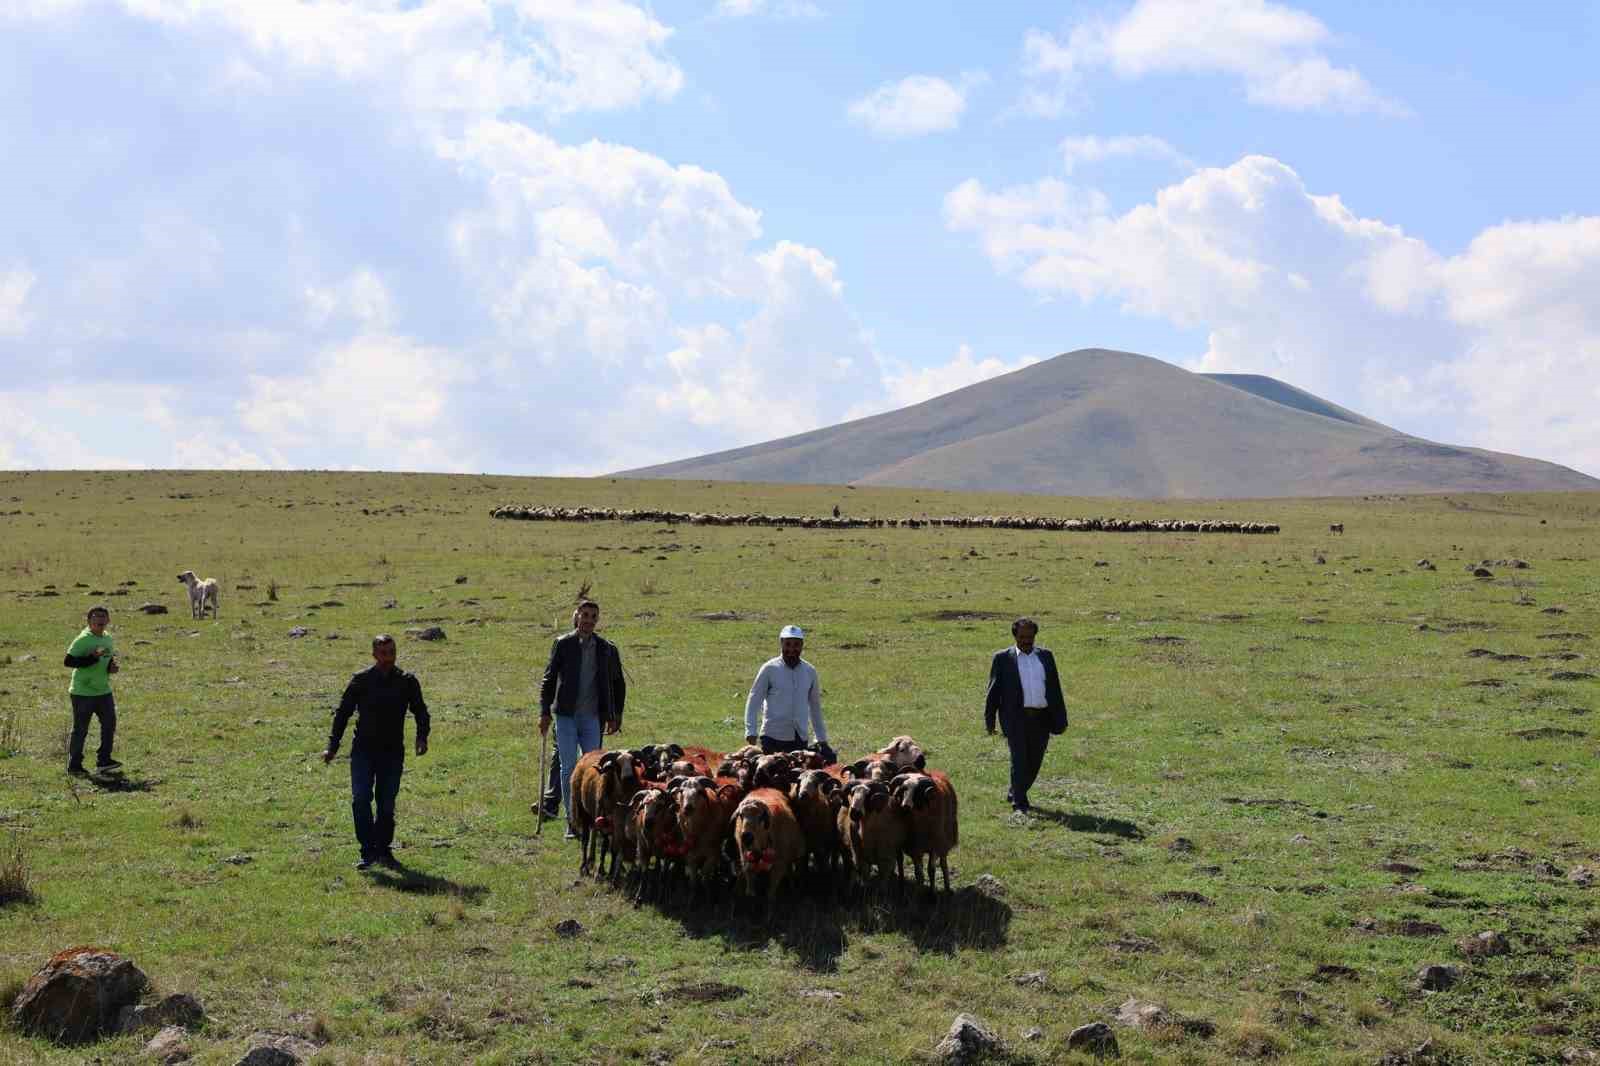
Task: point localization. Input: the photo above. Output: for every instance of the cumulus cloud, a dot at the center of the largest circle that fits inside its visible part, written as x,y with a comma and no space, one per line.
909,385
1294,284
1276,51
914,106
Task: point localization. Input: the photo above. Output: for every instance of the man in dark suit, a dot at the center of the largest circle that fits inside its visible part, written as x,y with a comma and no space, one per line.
584,686
1025,695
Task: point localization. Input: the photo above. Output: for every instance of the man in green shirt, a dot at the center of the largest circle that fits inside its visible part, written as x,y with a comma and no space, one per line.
91,655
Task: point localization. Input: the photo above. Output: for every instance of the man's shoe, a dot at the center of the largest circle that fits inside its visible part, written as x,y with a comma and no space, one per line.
109,764
364,864
569,835
552,810
77,770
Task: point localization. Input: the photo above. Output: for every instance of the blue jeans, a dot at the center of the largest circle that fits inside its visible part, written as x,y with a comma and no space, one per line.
576,734
375,773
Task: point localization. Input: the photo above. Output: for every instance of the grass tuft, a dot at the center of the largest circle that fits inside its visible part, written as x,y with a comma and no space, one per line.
10,732
187,819
16,875
272,589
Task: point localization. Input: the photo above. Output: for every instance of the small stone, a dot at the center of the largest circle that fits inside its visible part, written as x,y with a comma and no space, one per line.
169,1045
1140,1014
462,580
1437,977
179,1009
239,860
426,633
153,608
1582,876
1032,979
277,1049
1035,1033
1097,1038
1485,944
1299,838
299,631
1579,1054
26,658
1425,564
990,886
968,1041
570,927
1181,844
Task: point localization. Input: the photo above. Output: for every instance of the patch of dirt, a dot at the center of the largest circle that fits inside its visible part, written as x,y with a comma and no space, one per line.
1331,971
1163,640
1563,636
1183,895
1547,732
1571,675
704,992
967,615
1487,682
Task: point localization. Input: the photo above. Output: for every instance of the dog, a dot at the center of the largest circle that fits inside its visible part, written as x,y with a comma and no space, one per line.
201,594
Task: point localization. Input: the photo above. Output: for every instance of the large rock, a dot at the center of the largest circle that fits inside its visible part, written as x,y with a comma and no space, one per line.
1095,1038
78,995
1437,977
1140,1014
277,1049
180,1009
969,1041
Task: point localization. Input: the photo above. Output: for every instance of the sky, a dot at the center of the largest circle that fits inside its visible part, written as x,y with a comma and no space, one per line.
568,237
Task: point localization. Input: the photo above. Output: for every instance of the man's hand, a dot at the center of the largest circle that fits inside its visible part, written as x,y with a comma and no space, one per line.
327,757
422,746
544,724
112,667
749,740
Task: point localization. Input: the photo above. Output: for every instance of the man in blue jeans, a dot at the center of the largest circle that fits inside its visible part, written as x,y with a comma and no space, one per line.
583,686
380,697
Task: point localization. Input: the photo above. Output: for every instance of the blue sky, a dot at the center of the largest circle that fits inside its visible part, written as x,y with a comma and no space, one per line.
562,237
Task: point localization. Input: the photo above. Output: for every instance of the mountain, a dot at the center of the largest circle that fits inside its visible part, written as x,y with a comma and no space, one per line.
1103,423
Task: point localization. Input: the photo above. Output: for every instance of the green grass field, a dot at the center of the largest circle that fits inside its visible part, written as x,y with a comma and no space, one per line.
1255,735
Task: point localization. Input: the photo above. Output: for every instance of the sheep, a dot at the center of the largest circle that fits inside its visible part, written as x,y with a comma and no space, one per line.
875,767
705,814
872,832
768,839
905,753
654,833
773,771
929,805
815,799
1336,527
602,784
202,593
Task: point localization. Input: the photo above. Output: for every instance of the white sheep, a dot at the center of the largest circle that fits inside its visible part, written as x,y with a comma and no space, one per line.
202,593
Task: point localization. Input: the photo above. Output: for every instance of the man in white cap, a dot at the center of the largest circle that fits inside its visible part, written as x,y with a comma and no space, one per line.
787,690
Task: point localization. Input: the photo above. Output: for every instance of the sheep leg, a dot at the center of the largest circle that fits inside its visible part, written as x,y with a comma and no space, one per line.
944,865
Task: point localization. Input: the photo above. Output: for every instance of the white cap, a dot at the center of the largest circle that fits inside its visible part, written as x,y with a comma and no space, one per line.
792,631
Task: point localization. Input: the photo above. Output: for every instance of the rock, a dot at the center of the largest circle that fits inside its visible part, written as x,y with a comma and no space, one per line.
1096,1038
426,633
1425,564
276,1049
1436,977
1478,571
968,1041
1579,1054
299,631
1139,1014
1035,1033
571,927
78,994
462,580
153,608
170,1045
390,605
1181,844
26,658
990,886
179,1009
1485,944
1582,876
1032,979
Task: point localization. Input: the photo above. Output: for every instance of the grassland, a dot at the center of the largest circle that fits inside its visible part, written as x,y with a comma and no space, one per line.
1255,735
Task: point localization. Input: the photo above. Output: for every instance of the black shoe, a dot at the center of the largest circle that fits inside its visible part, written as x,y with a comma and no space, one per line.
552,810
109,764
364,864
77,770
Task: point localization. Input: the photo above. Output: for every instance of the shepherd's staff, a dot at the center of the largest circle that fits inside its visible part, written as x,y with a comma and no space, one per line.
538,785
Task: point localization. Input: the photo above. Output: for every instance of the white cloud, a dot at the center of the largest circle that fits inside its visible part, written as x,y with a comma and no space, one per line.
1294,284
914,106
909,385
15,284
1091,149
777,8
1277,52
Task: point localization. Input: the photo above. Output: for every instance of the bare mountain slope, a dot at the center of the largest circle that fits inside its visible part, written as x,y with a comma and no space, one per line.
1104,423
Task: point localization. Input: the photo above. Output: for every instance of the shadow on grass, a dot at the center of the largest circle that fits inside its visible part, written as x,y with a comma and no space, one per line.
123,783
415,882
817,928
1089,823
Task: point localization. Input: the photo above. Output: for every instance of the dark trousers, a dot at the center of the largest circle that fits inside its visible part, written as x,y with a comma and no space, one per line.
375,774
84,708
779,747
1027,735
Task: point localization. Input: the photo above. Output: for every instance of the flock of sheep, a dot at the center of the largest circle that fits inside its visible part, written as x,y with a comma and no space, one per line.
666,814
1039,522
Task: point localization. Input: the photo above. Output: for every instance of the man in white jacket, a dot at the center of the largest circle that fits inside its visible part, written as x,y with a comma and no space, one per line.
787,698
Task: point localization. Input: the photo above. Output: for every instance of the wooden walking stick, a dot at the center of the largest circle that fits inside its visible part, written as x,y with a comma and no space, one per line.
538,785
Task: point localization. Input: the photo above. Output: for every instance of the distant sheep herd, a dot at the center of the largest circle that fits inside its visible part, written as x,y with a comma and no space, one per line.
1039,522
669,815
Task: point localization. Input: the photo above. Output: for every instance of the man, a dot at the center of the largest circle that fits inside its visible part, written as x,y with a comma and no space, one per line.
379,696
584,686
1025,694
787,696
91,655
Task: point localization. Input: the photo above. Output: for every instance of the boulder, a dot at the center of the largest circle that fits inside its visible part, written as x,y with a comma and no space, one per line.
1096,1038
968,1041
1436,977
179,1009
426,633
77,995
170,1045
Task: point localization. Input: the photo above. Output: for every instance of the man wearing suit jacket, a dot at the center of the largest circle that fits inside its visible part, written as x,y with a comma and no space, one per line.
1025,695
584,687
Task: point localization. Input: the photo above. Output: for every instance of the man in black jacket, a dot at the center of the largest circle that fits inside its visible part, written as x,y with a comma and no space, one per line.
380,697
1025,694
584,687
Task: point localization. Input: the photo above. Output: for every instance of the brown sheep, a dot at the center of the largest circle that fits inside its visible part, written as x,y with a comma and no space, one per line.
905,753
705,817
602,784
768,839
928,802
872,832
816,799
653,830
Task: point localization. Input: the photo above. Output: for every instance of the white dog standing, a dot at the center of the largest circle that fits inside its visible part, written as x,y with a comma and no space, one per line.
202,594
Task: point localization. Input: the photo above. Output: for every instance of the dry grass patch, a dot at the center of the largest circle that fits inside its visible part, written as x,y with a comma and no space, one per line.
16,876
